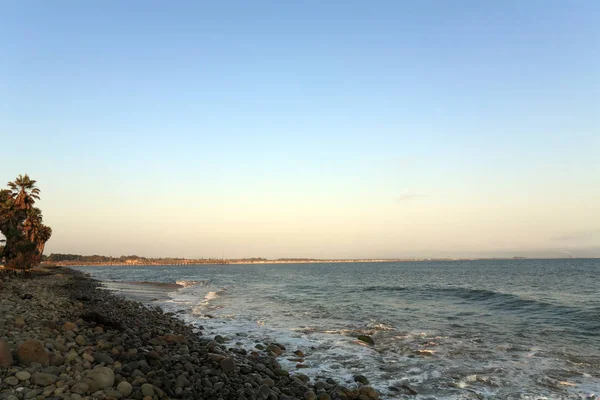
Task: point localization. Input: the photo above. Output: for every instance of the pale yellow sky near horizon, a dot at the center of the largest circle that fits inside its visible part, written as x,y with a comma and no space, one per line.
252,225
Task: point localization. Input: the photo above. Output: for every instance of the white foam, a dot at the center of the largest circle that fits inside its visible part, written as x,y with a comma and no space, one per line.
185,283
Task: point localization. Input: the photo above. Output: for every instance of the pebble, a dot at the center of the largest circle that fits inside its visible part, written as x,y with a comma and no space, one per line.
103,377
69,326
80,388
310,395
147,390
227,365
23,375
42,379
11,380
124,388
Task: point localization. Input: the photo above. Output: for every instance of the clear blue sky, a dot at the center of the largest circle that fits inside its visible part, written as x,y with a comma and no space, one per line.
317,129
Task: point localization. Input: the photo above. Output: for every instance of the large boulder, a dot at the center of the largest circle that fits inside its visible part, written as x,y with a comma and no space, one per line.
31,351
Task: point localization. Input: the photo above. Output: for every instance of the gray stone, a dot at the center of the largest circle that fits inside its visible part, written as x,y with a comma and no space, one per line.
32,393
80,388
147,390
11,380
23,375
102,357
41,379
103,377
310,395
227,365
124,388
263,392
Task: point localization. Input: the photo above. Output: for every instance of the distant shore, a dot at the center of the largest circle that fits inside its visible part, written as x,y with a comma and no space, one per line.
196,262
221,262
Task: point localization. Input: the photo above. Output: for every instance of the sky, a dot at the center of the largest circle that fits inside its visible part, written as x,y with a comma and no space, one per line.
337,129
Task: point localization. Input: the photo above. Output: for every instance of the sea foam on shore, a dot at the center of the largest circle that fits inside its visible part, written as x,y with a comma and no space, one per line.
63,337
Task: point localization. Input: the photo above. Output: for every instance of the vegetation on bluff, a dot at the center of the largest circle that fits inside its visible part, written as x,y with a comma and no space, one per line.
21,224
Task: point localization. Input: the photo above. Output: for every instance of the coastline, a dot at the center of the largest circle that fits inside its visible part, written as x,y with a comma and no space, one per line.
63,335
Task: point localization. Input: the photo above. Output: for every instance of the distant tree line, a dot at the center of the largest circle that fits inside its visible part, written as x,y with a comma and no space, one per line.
57,257
78,258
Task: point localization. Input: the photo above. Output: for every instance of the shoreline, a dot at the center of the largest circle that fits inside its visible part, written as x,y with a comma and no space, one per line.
65,336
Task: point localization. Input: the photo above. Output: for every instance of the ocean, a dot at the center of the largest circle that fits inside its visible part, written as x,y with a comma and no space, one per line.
487,329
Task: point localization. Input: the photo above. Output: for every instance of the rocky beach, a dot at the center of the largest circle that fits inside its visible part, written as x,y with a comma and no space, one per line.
63,336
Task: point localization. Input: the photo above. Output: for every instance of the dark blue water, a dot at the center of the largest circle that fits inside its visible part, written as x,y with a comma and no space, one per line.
523,329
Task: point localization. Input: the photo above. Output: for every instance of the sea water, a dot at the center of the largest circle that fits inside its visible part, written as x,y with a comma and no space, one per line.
500,329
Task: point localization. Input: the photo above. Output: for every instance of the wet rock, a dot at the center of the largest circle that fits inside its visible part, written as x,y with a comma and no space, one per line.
220,339
361,379
6,358
80,340
366,339
310,395
410,390
299,353
19,322
368,391
274,349
324,396
32,351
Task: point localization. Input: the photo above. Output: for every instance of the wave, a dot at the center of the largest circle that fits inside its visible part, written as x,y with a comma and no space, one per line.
185,283
384,288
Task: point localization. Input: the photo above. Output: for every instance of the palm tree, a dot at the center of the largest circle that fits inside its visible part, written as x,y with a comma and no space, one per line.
32,223
24,192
